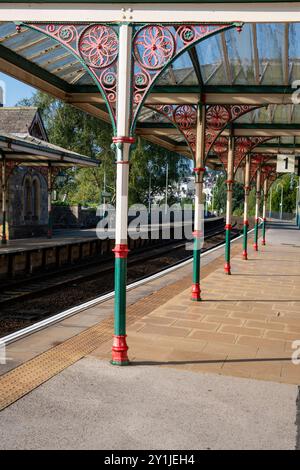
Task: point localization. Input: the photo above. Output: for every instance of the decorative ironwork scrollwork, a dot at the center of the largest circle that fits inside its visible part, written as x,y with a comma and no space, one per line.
97,48
155,46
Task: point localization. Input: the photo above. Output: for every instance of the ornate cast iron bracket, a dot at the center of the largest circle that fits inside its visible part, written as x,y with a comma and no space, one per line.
154,48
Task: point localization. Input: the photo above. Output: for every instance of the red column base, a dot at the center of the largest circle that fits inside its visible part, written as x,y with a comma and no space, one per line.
263,242
227,268
119,351
255,246
196,292
245,255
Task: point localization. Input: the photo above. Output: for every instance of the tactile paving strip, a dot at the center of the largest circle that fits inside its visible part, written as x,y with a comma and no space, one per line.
25,378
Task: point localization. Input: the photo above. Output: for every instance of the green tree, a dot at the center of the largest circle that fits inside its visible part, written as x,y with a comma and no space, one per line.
75,130
220,195
289,184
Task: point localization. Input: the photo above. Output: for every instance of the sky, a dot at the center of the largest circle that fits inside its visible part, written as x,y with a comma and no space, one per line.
14,90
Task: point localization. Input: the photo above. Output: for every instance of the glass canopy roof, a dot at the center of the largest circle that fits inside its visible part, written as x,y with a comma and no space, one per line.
262,55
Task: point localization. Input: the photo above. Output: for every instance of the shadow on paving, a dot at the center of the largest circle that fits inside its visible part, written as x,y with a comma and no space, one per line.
248,300
277,260
283,225
265,275
208,361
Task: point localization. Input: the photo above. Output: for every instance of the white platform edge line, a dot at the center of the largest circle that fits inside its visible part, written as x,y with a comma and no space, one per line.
6,340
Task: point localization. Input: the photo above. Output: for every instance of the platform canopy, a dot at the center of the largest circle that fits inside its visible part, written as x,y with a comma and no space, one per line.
257,64
30,151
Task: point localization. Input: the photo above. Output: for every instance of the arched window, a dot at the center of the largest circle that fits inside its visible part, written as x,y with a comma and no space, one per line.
27,198
36,198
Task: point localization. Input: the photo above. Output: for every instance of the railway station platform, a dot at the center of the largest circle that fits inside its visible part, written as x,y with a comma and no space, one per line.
29,255
68,246
211,374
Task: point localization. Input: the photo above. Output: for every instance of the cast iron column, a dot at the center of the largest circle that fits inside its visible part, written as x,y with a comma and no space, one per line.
246,223
263,242
257,204
198,217
49,183
4,188
123,143
229,182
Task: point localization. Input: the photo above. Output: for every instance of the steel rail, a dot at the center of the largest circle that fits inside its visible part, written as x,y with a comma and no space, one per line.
12,337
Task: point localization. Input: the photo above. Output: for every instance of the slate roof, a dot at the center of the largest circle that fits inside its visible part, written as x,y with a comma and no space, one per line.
17,120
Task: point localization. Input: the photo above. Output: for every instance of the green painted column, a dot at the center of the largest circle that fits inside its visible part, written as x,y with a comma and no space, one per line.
119,347
245,240
197,234
122,143
227,266
229,182
263,242
264,221
257,204
120,289
246,197
3,238
196,291
255,244
298,202
198,209
49,232
4,197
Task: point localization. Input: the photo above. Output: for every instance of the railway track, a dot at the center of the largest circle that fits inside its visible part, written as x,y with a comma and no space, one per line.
44,283
25,330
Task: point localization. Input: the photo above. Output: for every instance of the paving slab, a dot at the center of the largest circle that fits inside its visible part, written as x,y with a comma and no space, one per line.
37,343
256,308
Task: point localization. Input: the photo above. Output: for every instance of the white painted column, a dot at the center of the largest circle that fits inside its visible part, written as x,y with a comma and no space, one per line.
230,180
198,209
246,187
4,197
123,142
265,210
257,204
258,195
199,166
265,198
246,197
49,187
